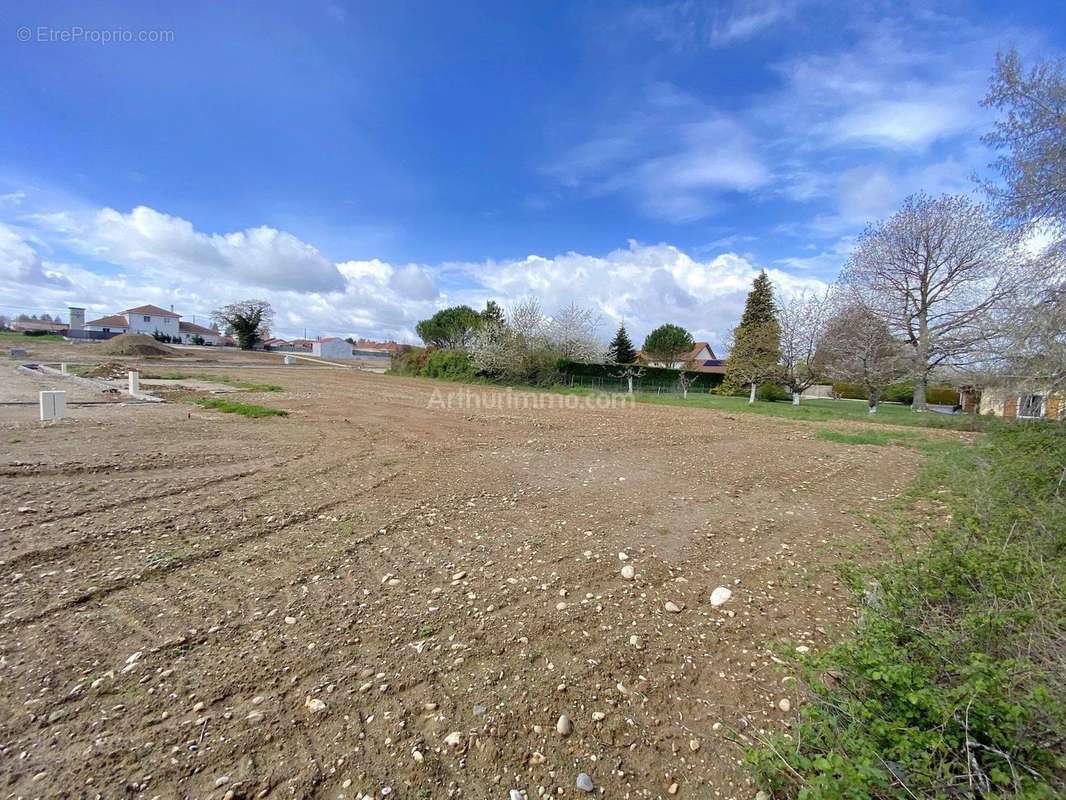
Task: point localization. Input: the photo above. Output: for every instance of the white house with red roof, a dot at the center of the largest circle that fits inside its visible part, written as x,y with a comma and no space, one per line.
150,320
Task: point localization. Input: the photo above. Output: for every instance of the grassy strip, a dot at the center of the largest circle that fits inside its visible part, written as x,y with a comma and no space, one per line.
224,379
244,409
46,337
827,411
954,683
807,411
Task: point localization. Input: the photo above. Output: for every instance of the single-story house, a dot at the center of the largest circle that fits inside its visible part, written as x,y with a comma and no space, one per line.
1018,404
190,331
700,358
331,347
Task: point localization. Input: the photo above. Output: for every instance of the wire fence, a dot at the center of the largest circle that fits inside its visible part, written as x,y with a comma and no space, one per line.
621,385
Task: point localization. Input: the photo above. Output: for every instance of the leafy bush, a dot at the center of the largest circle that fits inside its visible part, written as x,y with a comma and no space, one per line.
942,395
449,365
410,362
954,684
772,393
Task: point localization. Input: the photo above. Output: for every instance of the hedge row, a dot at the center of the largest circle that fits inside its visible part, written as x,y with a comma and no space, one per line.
900,393
652,377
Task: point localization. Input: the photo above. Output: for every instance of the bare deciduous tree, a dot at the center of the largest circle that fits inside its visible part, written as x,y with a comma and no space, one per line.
802,322
629,372
938,272
1031,133
858,347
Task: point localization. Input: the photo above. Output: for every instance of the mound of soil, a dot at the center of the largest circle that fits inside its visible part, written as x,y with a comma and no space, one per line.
109,369
135,344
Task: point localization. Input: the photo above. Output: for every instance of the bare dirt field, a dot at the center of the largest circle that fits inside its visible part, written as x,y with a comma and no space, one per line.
379,596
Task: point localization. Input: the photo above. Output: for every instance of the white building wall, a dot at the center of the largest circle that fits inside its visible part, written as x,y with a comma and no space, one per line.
150,323
332,349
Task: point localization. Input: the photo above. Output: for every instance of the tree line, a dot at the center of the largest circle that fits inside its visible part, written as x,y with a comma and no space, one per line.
947,286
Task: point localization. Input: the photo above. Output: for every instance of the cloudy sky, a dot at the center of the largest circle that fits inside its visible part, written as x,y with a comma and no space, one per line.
362,164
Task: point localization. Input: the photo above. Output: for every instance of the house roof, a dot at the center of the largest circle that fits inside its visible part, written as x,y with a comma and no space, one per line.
192,327
155,311
113,321
697,346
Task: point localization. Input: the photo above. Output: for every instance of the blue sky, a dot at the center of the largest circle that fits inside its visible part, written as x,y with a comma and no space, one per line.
363,164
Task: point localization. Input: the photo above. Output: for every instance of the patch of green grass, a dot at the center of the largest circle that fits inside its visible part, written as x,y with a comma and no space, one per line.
953,682
870,437
236,383
426,629
244,409
47,337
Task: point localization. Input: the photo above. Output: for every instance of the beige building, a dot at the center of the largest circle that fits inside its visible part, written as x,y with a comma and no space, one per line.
1025,405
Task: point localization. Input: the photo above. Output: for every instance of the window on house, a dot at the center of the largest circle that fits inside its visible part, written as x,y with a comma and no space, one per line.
1031,406
147,318
107,330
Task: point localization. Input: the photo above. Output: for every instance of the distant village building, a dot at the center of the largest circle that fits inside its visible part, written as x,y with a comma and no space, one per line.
331,347
150,320
700,358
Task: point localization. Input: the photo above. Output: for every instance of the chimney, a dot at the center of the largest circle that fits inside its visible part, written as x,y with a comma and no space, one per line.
77,318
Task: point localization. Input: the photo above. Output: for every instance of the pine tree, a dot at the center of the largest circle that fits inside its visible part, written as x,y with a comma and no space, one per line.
756,349
620,350
493,313
760,308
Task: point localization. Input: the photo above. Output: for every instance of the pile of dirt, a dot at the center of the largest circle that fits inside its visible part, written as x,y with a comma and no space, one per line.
135,344
108,370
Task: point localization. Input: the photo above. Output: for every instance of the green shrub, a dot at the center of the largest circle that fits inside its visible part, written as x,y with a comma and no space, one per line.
942,395
449,365
772,393
953,684
411,361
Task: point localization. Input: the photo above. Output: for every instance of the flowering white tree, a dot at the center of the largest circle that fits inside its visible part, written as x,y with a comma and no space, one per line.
802,322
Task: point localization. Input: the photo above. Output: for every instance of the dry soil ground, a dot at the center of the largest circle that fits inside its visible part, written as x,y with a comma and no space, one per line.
379,596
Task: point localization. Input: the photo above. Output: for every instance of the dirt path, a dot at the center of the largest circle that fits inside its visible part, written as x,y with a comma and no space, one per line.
181,589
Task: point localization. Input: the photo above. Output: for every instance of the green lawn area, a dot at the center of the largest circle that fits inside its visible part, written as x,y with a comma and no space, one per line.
244,409
224,379
21,337
822,411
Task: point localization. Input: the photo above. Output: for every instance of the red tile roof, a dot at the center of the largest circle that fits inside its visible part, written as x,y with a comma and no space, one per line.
114,321
192,327
150,309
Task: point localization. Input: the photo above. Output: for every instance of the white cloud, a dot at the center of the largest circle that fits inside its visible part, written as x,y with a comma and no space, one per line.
262,257
748,19
674,156
20,262
687,24
645,285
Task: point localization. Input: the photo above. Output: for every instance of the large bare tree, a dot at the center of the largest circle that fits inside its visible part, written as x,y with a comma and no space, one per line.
858,347
939,272
1030,134
802,321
